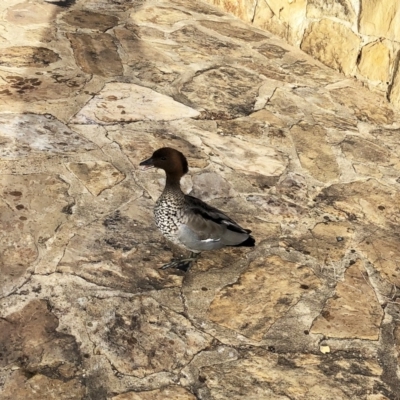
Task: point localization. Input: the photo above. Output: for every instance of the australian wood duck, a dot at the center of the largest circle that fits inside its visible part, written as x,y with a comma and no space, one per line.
187,221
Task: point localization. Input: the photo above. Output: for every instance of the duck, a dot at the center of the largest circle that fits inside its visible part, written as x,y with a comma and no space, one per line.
187,221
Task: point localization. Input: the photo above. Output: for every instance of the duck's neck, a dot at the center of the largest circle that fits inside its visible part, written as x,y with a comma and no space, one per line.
173,184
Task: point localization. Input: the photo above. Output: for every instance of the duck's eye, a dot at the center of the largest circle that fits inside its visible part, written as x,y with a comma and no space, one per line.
163,158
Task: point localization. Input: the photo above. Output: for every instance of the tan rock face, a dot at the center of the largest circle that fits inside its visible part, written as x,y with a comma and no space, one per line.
96,176
123,236
162,15
40,387
264,161
223,86
315,155
333,31
265,18
328,241
380,18
26,13
285,146
375,62
382,249
365,201
127,103
241,8
32,208
366,108
343,9
354,311
142,337
30,335
291,13
333,44
280,377
30,92
190,41
364,151
258,300
394,94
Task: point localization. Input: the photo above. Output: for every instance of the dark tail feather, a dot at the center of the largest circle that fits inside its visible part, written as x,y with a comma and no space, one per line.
249,242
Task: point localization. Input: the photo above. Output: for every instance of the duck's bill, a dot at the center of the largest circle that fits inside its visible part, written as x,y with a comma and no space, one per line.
146,164
144,167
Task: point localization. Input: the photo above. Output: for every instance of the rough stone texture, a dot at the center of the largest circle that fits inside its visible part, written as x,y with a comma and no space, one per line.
394,95
127,102
241,8
356,37
343,9
333,44
292,15
380,19
264,18
96,175
282,377
314,153
24,56
375,61
260,297
287,147
345,317
96,53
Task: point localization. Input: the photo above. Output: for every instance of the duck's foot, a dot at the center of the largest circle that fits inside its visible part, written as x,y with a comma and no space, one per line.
182,264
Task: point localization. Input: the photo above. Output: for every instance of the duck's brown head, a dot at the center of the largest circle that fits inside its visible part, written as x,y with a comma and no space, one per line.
172,161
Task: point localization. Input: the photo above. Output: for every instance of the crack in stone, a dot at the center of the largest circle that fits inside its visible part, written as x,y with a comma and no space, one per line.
13,292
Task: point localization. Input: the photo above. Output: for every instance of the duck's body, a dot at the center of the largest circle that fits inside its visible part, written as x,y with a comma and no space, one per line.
187,221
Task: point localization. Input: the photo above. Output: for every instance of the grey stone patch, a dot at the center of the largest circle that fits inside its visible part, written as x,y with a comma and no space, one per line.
225,85
229,30
38,135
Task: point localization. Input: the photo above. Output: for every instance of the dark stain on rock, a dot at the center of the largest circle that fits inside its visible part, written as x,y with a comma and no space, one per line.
113,220
285,362
29,339
16,193
304,287
328,367
121,232
26,56
96,53
285,301
95,385
327,315
68,209
90,20
272,51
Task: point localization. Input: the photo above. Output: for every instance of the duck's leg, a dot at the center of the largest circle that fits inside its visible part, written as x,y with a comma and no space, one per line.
182,264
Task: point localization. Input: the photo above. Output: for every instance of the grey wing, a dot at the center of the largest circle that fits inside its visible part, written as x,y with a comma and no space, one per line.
207,228
208,212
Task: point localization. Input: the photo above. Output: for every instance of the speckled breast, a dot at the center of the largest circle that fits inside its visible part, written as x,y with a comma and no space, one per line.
168,217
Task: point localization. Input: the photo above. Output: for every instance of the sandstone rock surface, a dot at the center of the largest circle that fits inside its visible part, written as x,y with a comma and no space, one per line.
308,160
356,37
